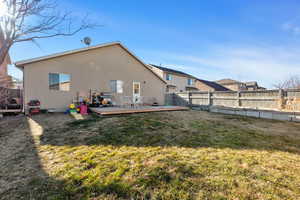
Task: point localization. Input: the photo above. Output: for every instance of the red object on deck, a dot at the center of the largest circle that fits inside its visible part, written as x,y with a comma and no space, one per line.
34,106
83,109
34,110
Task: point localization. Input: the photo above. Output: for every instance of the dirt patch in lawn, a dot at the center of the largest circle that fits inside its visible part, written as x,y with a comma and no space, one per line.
169,155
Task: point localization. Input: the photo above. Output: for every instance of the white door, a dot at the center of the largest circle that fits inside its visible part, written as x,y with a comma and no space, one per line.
136,92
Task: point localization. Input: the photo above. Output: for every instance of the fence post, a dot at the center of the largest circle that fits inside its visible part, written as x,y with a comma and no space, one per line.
238,100
172,99
190,99
281,99
209,99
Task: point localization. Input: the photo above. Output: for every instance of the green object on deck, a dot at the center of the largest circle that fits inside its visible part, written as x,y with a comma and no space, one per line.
73,111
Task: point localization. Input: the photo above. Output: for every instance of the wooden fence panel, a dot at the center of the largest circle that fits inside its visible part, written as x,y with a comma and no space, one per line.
288,100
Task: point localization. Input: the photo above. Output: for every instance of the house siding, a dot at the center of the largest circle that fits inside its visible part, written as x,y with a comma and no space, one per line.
181,82
92,69
235,87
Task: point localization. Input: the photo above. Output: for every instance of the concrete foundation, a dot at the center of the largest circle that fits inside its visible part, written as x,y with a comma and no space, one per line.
265,114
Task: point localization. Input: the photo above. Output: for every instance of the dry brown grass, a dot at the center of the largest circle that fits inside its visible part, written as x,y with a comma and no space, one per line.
170,155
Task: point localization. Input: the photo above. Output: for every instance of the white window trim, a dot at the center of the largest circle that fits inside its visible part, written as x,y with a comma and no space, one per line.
190,81
169,77
59,83
118,87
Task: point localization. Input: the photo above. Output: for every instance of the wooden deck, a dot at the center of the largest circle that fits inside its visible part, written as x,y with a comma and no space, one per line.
144,109
10,110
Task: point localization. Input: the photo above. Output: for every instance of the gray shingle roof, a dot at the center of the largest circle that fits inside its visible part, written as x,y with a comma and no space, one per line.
214,85
171,70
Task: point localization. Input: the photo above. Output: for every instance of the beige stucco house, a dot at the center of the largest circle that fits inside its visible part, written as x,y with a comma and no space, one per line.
232,84
253,86
240,86
177,81
57,79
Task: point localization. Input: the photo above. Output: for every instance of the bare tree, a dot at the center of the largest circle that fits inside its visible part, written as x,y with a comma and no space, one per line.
292,82
28,20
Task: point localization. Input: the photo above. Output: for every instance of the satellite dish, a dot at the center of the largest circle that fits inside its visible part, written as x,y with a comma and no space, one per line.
87,41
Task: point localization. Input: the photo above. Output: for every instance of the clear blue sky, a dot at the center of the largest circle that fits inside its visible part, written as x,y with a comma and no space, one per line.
244,40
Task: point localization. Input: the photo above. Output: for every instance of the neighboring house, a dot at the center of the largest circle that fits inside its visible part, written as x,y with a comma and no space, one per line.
253,86
232,84
204,85
240,86
177,81
16,83
57,79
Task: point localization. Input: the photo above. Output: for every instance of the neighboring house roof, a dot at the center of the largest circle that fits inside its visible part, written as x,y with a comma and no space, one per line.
214,85
22,63
228,81
172,70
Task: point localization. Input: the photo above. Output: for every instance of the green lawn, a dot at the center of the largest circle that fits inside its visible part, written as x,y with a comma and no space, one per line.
170,155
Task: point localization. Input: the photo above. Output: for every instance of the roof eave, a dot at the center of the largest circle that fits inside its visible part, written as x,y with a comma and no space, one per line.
32,60
22,63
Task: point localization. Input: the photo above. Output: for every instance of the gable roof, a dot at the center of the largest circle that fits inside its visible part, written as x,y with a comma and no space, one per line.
21,64
214,85
172,70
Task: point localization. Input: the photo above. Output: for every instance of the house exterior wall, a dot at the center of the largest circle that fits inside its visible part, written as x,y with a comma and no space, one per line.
203,87
178,80
159,72
181,82
92,69
235,86
171,89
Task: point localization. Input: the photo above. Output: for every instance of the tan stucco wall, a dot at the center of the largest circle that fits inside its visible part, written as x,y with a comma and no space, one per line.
91,69
159,72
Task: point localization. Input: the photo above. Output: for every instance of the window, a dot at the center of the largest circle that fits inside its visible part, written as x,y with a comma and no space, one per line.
116,86
60,82
190,81
136,88
169,77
